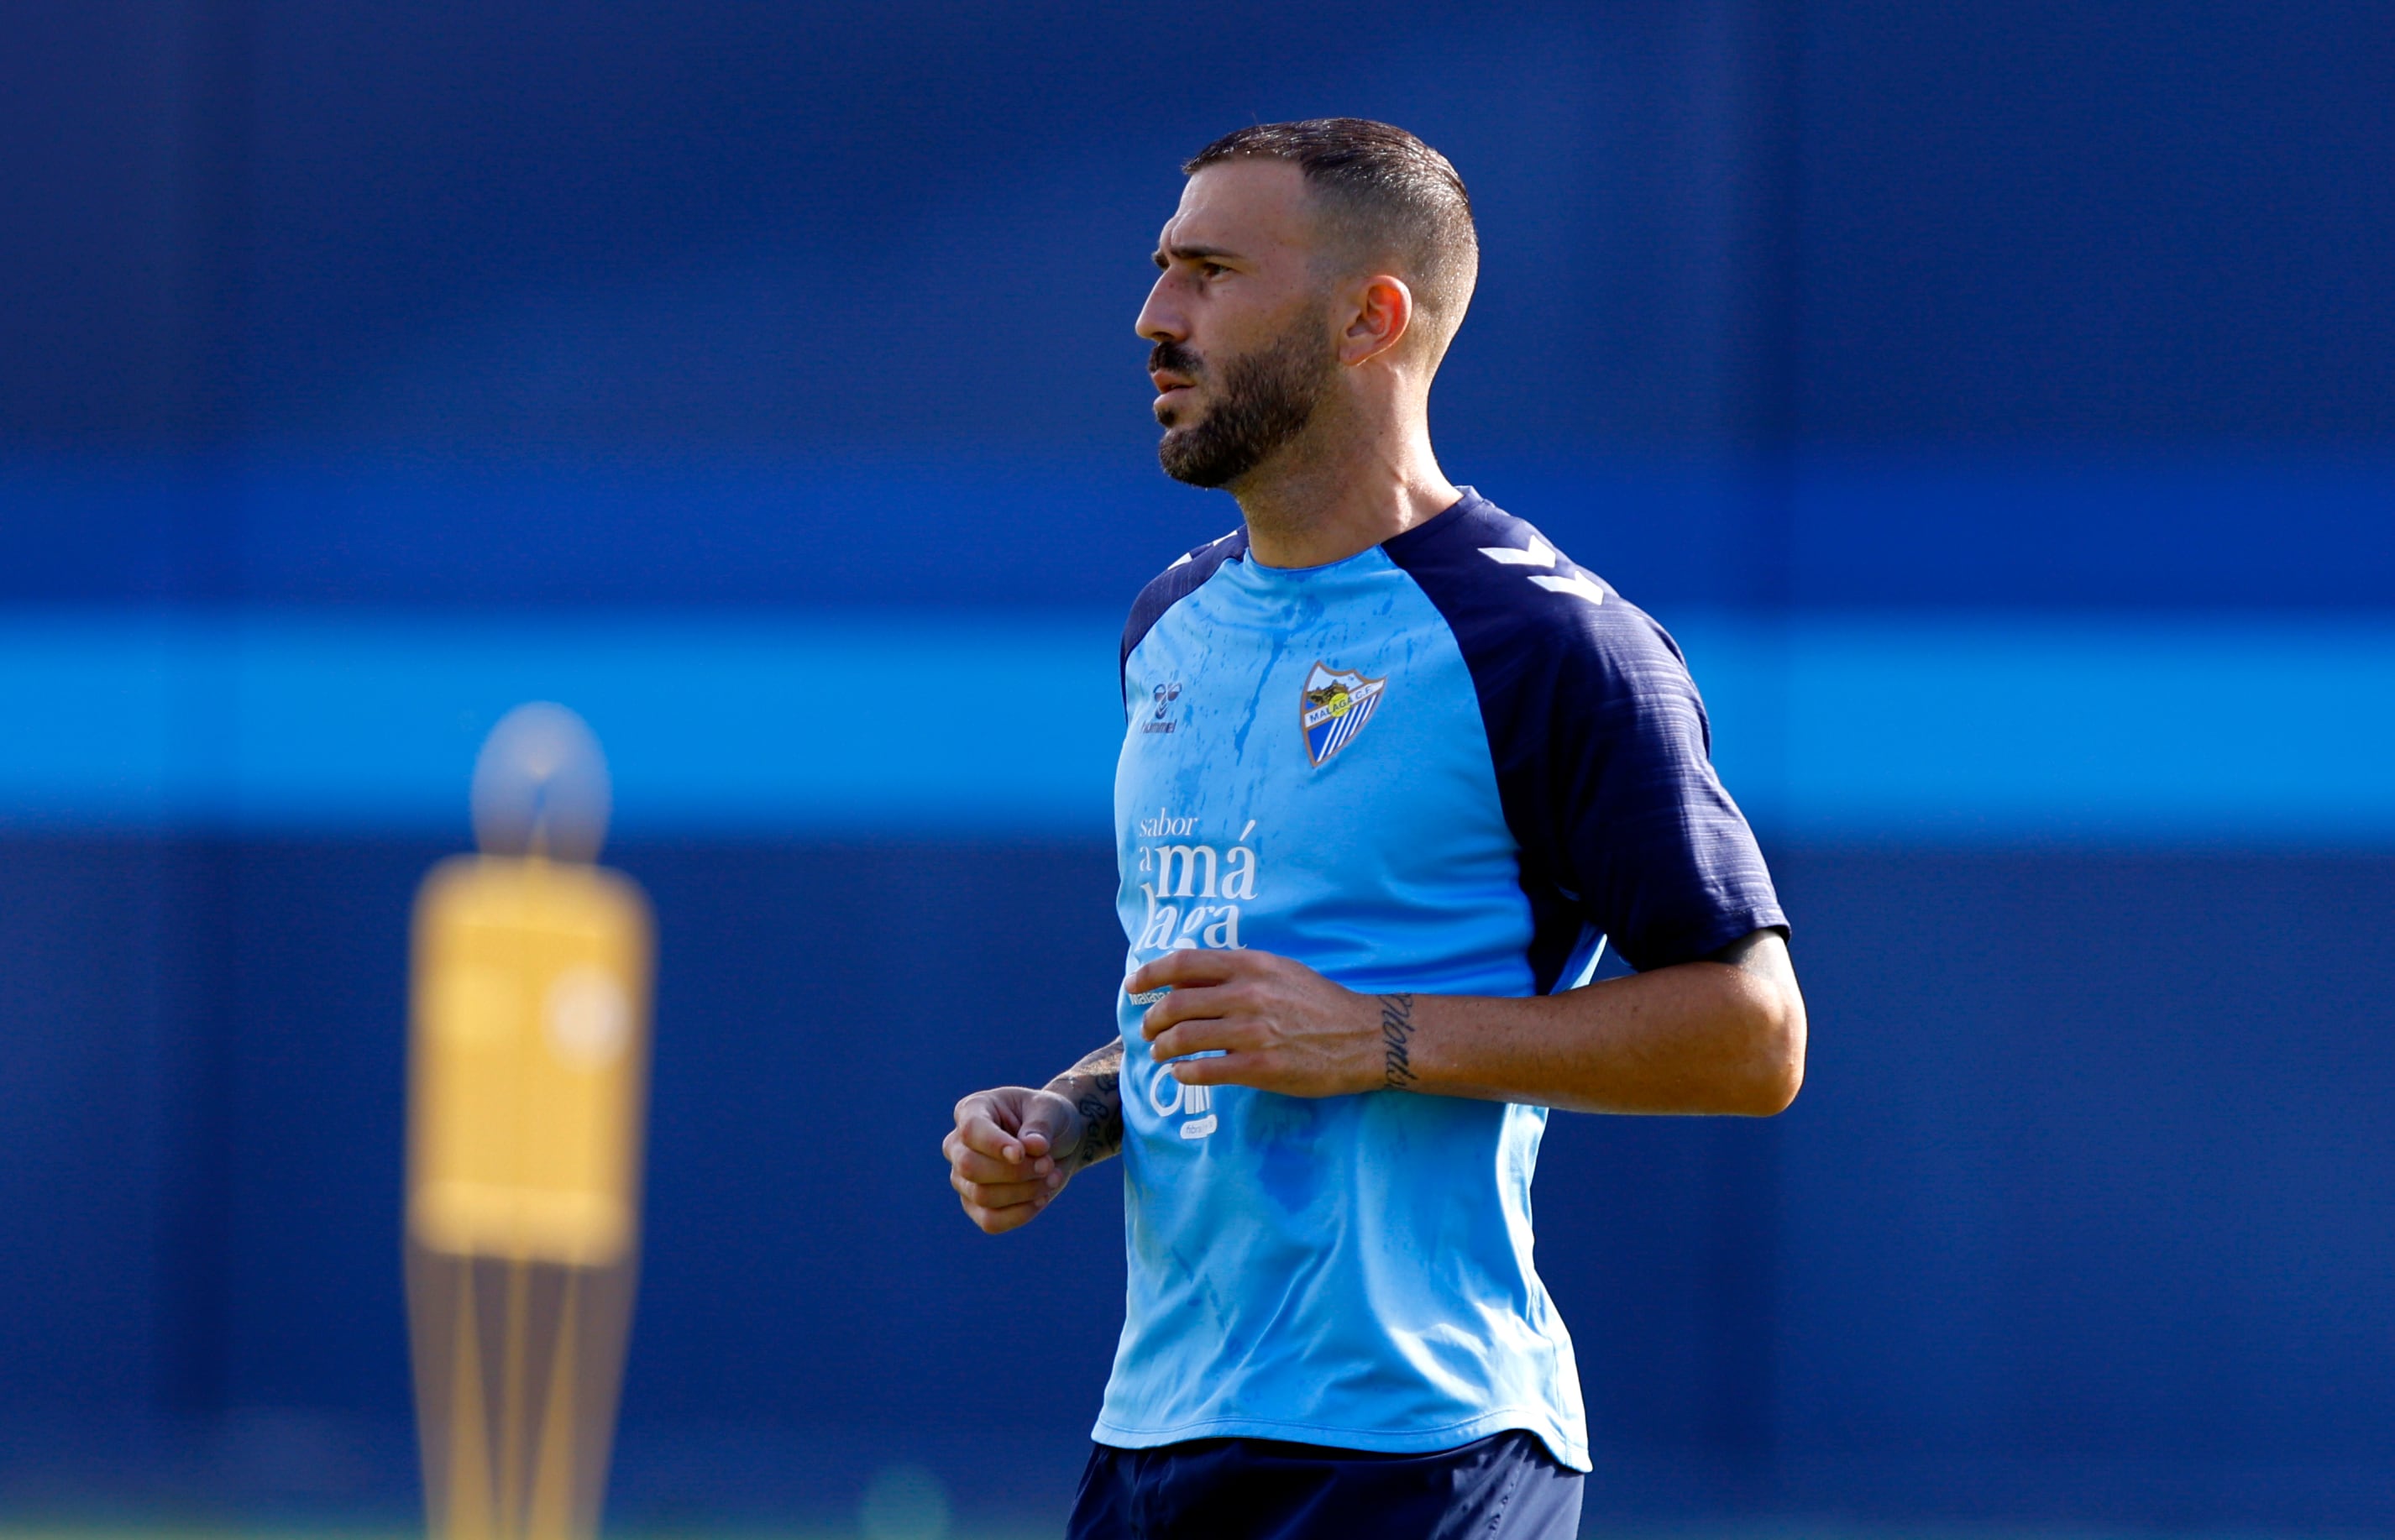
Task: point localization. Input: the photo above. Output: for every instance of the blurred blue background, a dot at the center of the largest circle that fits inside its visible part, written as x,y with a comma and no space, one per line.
1996,400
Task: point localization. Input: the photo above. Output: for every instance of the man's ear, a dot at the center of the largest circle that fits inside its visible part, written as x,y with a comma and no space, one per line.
1383,313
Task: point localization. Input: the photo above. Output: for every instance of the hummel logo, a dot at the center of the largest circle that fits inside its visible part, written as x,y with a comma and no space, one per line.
1188,557
1540,554
1579,587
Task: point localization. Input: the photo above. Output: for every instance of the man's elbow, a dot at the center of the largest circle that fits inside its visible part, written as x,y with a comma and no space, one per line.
1774,1063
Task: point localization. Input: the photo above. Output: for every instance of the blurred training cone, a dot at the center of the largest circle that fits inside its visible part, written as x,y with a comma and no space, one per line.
527,1088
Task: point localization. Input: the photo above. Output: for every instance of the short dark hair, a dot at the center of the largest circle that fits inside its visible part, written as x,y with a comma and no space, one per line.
1385,194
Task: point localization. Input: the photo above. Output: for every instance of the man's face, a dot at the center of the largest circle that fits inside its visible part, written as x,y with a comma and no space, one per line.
1242,353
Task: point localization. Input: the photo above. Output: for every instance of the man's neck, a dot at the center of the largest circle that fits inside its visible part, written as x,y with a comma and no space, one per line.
1313,503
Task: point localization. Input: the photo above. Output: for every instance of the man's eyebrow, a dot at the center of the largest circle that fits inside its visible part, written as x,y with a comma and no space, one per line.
1191,254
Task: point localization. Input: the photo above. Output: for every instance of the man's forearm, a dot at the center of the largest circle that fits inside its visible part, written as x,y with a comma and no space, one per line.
1723,1035
1716,1036
1095,1087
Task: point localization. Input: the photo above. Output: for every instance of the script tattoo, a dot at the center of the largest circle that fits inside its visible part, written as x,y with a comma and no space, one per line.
1396,1032
1095,1087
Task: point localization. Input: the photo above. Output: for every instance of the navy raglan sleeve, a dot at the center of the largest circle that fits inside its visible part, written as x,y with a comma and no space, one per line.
1602,751
1169,587
1643,836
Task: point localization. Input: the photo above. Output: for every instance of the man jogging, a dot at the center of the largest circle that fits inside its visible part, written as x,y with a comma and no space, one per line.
1395,772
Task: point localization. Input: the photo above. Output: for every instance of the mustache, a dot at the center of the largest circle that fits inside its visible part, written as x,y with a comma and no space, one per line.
1174,357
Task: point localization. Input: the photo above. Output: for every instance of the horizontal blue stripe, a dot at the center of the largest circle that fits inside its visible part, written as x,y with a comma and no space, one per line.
2201,730
1990,729
870,723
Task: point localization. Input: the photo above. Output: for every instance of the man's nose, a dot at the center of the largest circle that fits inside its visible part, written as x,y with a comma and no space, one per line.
1159,319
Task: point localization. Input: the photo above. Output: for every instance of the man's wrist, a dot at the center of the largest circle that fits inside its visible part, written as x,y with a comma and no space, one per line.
1096,1129
1091,1089
1397,1070
1070,1087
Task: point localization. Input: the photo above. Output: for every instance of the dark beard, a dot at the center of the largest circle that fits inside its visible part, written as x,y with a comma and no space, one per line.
1265,400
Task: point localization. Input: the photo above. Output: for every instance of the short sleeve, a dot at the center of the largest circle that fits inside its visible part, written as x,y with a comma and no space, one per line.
1643,838
1168,588
1601,749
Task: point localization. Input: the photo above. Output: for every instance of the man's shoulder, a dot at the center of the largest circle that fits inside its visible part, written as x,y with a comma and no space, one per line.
1516,601
1178,582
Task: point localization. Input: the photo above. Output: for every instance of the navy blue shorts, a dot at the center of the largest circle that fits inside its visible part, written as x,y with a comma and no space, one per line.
1507,1487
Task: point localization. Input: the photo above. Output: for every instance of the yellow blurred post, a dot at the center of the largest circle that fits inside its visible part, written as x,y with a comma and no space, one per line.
528,1059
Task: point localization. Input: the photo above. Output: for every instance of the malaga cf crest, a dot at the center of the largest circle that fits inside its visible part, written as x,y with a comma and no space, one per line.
1336,704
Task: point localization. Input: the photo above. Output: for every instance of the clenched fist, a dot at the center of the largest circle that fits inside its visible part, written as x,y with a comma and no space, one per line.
1010,1153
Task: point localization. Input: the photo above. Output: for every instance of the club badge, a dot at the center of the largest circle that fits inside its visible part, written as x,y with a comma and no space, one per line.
1334,707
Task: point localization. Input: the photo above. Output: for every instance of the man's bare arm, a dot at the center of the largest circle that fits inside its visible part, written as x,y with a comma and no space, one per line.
1013,1148
1724,1034
1095,1087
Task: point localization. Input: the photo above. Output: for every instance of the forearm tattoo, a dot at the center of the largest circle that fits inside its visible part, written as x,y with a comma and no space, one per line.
1095,1087
1396,1036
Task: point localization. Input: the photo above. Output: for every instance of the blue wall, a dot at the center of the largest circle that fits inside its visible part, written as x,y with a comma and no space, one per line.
1992,398
710,302
2076,1217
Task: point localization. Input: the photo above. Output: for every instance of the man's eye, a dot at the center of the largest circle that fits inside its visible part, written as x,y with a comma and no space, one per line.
1210,268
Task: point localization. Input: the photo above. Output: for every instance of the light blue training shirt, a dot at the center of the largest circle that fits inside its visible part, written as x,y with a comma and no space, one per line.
1454,764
